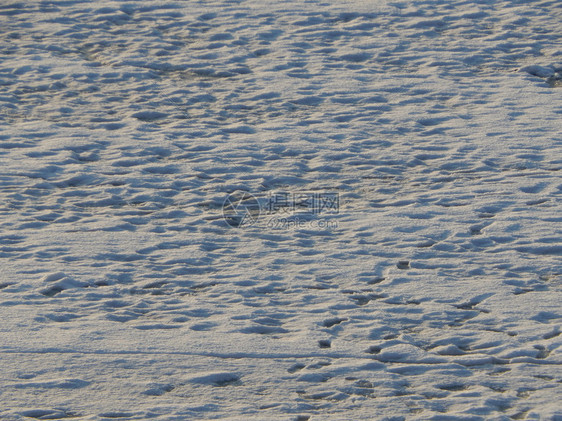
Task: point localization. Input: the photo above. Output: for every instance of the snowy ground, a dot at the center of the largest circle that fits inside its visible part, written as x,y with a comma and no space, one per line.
434,292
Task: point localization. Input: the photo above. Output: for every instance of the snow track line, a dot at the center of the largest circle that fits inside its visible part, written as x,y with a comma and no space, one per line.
235,356
195,354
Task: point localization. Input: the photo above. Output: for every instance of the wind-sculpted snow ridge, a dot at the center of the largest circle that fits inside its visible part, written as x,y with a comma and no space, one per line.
282,210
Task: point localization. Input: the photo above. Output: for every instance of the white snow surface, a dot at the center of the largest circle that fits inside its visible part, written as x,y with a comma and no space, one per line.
434,293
